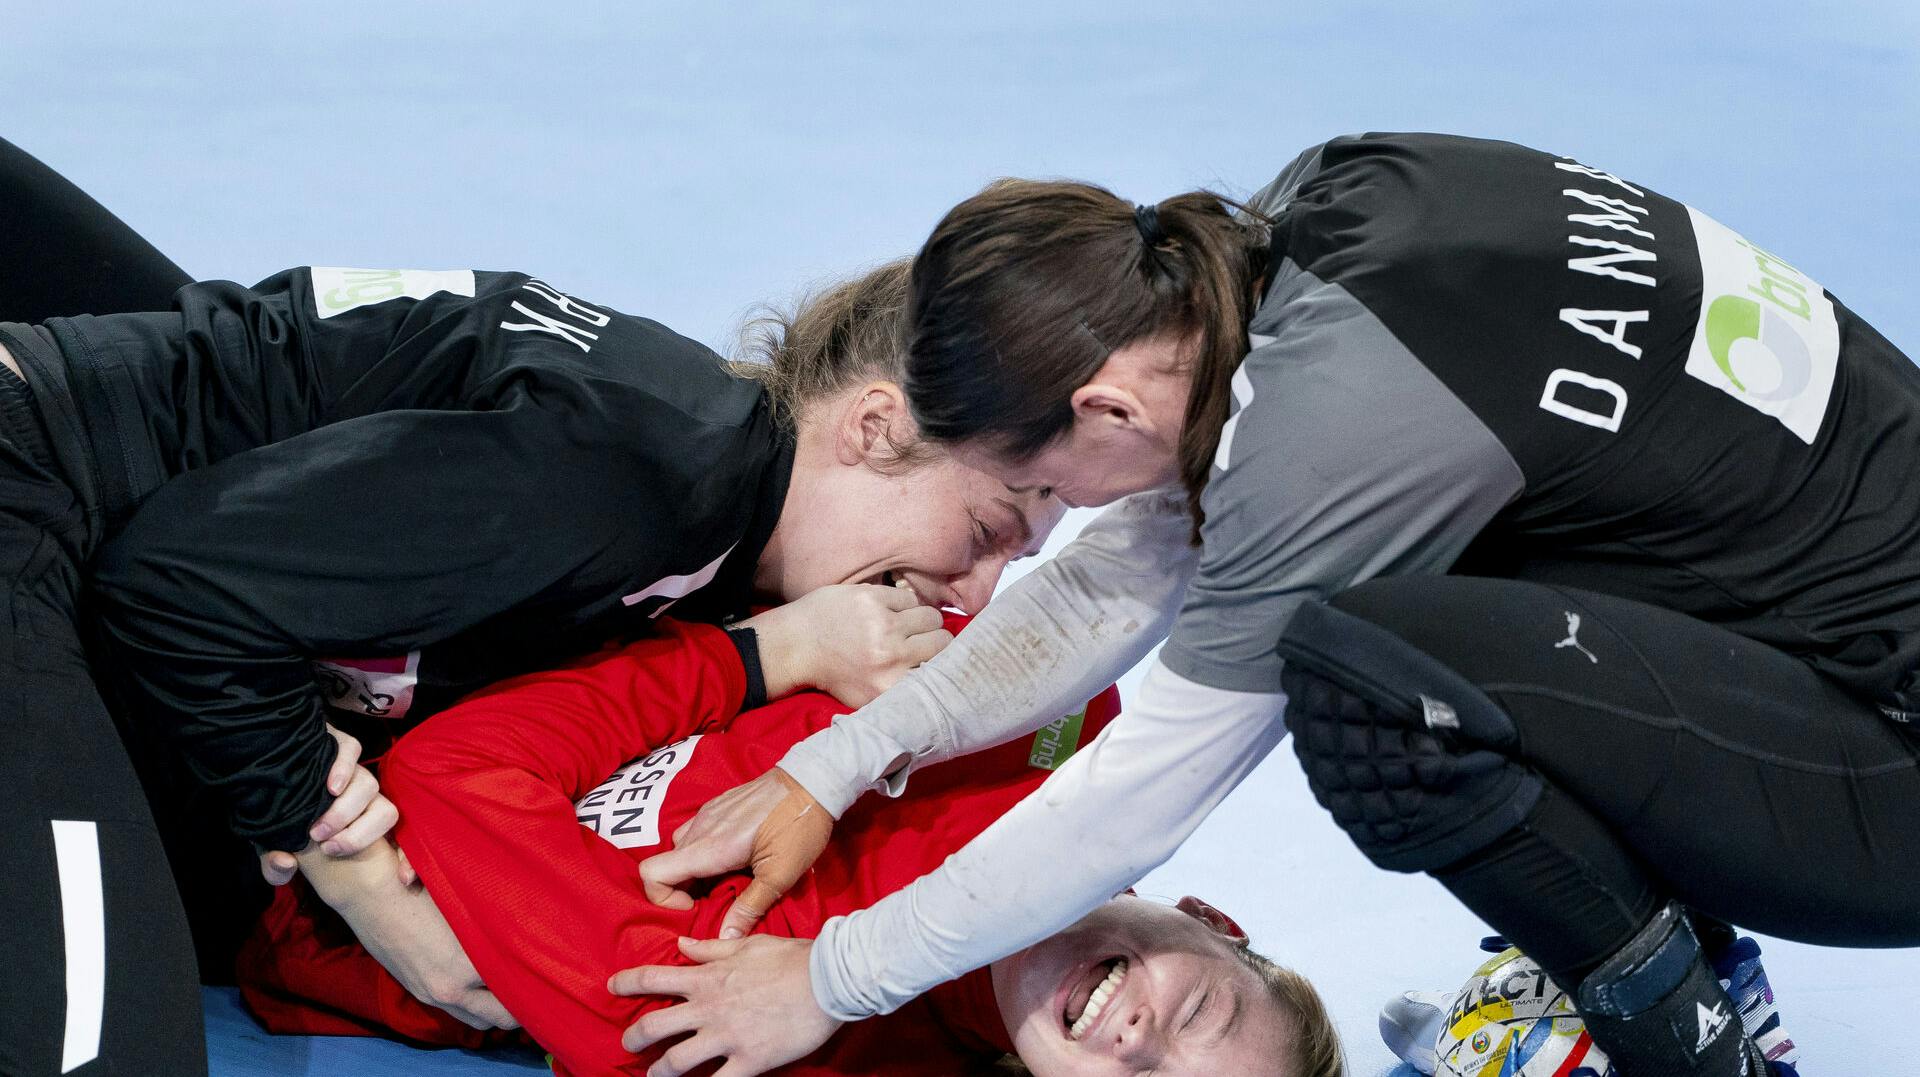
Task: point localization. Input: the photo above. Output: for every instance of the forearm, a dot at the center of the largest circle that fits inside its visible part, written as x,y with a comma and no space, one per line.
1042,648
1058,854
500,850
353,885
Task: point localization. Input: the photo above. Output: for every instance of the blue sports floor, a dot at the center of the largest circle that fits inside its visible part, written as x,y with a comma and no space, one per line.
1272,859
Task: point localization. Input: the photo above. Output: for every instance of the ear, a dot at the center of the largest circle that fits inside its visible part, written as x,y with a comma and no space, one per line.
1220,922
874,424
1106,405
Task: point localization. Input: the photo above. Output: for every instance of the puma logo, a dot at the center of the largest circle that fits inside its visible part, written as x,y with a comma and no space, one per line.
1573,639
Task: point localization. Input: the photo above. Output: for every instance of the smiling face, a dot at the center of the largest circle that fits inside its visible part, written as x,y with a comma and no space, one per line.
857,513
1136,988
947,531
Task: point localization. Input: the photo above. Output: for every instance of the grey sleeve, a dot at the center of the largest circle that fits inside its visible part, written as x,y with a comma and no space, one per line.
1345,459
1274,197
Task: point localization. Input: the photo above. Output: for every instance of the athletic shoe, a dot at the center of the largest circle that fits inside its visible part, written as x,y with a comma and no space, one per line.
1738,967
1410,1026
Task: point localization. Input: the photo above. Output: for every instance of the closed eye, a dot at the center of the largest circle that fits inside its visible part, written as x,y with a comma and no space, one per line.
984,535
1197,1010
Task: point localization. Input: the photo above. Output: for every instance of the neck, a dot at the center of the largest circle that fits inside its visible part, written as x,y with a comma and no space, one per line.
7,360
811,463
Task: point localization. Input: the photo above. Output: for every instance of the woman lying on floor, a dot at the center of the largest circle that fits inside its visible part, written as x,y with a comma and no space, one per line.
525,810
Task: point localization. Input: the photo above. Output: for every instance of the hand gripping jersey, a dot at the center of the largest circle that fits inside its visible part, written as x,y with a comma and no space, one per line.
1477,357
1470,357
530,850
426,479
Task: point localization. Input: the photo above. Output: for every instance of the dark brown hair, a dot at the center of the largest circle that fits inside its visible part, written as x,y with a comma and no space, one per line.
1024,289
832,340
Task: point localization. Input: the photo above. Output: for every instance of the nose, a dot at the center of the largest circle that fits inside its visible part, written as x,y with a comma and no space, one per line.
974,587
1136,1037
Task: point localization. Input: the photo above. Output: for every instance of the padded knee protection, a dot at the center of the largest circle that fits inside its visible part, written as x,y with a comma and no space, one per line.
1404,752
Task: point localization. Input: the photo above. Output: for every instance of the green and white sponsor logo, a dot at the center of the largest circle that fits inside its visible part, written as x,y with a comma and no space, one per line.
1057,741
1767,335
337,290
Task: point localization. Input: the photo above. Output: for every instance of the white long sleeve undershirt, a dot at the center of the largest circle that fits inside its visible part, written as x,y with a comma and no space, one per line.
1118,808
1064,632
1113,812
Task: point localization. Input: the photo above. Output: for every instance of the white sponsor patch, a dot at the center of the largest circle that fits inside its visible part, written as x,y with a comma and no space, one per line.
625,809
1767,335
375,687
337,290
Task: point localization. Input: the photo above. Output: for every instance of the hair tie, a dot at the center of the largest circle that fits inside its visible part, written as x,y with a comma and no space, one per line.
1147,219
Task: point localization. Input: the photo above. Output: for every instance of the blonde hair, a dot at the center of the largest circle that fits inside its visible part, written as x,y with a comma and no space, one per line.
1316,1043
832,340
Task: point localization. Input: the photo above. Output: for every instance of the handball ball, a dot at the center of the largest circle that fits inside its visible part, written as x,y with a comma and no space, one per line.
1510,1020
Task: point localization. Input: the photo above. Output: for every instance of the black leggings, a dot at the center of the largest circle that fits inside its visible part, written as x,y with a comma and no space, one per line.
1650,757
64,254
101,974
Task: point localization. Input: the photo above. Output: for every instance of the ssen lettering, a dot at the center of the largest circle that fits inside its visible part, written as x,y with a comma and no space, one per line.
625,809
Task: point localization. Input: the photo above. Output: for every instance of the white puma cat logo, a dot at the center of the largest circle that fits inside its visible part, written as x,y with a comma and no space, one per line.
1573,638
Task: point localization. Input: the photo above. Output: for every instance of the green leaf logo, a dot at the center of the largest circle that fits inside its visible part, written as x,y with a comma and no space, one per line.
1743,334
1731,319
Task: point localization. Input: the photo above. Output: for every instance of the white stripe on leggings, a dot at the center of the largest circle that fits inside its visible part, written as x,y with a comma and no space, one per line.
83,913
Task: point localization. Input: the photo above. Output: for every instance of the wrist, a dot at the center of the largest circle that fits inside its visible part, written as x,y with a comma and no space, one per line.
785,658
814,771
349,882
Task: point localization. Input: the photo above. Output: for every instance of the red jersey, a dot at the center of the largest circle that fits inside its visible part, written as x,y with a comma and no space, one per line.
530,850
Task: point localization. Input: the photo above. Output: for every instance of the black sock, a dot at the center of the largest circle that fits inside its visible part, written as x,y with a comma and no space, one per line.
1657,1009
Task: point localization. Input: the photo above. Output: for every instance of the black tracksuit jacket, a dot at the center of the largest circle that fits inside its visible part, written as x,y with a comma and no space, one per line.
372,491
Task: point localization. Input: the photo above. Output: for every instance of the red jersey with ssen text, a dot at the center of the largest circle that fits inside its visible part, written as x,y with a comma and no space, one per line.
530,848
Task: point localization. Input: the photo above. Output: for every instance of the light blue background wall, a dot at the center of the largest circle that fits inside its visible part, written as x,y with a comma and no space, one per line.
685,160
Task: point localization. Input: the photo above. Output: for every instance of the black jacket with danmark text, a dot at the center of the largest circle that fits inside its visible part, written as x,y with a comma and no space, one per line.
376,490
1480,358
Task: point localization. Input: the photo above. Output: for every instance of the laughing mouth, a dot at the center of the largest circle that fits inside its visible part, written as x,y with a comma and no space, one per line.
1091,997
890,579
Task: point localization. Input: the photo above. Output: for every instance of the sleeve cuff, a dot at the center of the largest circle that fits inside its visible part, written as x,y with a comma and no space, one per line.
747,645
834,765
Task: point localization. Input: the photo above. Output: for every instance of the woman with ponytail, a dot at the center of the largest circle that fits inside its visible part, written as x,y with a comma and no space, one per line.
1568,531
244,530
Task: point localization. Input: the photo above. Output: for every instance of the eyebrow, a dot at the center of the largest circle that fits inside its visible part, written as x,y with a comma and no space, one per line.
1026,527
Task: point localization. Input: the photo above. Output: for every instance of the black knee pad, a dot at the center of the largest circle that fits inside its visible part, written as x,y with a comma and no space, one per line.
1404,752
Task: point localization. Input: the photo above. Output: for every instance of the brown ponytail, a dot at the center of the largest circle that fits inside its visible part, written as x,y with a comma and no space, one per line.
1024,289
